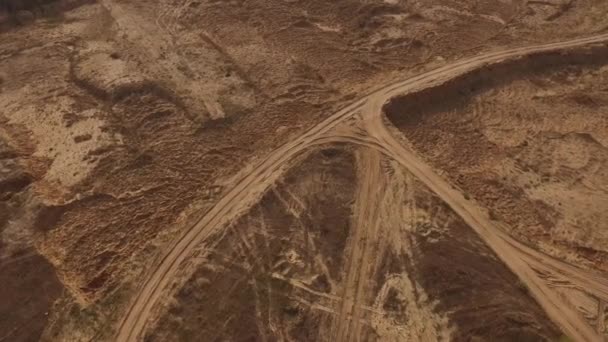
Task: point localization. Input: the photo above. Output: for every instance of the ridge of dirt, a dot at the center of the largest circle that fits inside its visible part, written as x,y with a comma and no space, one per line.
115,93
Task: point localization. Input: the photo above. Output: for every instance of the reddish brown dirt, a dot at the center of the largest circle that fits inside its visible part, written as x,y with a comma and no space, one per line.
137,115
279,272
297,233
542,138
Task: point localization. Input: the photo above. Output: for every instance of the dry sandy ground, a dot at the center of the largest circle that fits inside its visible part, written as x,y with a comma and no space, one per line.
122,122
531,147
405,267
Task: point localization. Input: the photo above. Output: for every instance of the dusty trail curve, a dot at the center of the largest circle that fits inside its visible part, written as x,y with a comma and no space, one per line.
507,249
252,185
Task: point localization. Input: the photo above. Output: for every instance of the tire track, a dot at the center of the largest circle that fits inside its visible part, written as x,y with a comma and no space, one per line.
571,322
250,187
247,190
365,228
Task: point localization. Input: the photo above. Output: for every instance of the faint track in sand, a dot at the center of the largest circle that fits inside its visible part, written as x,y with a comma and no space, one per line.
365,229
252,185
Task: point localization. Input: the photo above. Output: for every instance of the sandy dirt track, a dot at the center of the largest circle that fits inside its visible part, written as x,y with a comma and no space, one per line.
522,261
348,326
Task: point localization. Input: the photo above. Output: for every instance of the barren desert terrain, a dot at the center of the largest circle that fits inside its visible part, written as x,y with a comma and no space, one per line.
303,170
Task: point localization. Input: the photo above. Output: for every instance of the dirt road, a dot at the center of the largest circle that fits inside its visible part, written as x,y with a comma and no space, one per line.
366,227
255,180
517,257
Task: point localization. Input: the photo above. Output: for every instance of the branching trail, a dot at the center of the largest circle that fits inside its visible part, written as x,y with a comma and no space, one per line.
255,180
514,254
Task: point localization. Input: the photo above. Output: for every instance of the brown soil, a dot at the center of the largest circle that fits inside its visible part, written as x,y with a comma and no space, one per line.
527,143
28,292
253,282
480,295
283,270
131,119
29,283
